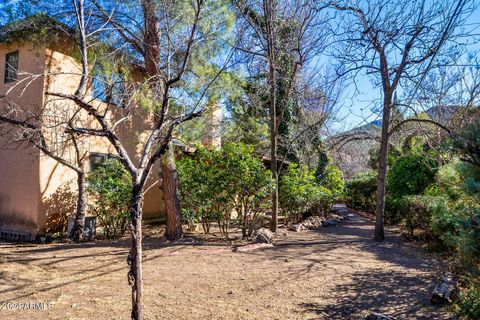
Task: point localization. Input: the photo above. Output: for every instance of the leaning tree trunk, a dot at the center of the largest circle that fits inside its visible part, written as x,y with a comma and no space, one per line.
77,231
382,171
135,255
170,191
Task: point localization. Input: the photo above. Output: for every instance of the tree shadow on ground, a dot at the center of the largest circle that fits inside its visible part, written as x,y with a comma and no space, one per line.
374,290
357,233
400,295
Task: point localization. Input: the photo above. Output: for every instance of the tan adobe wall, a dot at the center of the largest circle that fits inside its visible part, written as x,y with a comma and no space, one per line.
34,187
57,182
19,168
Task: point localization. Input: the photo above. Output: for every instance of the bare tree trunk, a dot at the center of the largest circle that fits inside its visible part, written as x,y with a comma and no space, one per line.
273,155
151,39
170,191
152,49
135,255
379,234
77,231
269,15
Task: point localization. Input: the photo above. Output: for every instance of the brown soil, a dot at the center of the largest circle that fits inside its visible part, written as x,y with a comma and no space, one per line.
331,273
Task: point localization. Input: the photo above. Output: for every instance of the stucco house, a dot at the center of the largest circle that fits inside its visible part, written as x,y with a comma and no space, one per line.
32,185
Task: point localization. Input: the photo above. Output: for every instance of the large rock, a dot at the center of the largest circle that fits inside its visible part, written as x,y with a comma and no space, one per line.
264,235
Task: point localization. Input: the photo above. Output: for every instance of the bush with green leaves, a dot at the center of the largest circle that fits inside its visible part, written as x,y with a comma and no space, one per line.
464,213
415,213
455,217
297,189
333,181
214,183
468,304
321,201
331,189
360,191
109,187
412,170
411,174
201,189
300,191
248,184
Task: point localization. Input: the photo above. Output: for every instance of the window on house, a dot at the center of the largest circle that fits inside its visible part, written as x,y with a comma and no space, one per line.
97,159
11,66
108,88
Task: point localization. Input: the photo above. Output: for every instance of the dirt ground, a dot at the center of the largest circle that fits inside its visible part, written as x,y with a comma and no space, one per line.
331,273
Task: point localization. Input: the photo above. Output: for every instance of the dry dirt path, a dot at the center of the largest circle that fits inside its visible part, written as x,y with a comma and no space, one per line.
332,273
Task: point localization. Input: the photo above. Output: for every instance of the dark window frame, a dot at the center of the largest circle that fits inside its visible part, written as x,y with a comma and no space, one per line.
11,71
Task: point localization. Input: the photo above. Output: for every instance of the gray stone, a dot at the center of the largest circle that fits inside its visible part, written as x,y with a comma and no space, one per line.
264,235
260,238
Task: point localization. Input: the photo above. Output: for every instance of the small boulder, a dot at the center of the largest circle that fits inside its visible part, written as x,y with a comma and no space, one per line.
260,238
264,235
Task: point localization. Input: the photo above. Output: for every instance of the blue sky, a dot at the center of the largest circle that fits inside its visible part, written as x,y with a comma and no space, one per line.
356,109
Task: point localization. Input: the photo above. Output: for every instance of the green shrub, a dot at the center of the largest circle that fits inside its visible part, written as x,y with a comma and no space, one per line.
411,174
456,216
415,212
321,201
299,191
468,304
201,189
464,204
110,189
457,227
213,183
248,184
449,182
443,223
333,181
360,191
